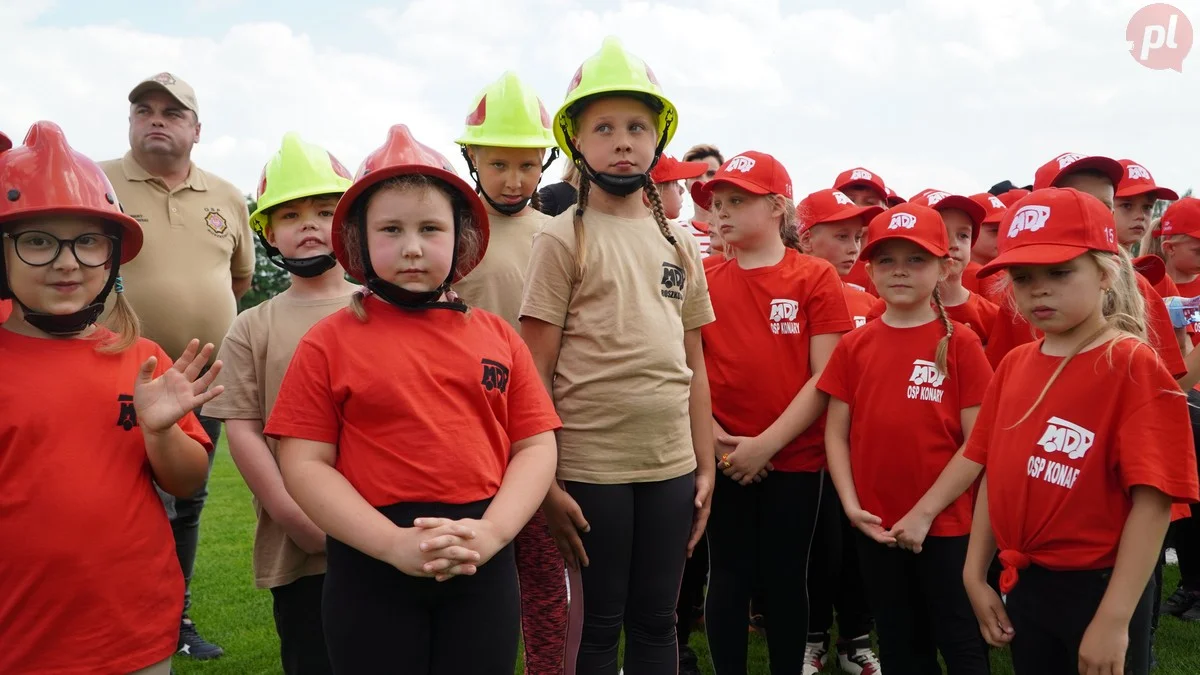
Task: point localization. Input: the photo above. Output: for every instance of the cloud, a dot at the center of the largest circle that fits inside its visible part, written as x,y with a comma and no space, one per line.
926,92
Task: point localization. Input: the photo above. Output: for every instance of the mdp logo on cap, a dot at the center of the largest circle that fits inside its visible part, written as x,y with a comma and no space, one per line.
902,221
740,163
1029,219
1159,37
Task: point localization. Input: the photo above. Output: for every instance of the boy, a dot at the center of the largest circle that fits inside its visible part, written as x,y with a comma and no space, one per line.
297,195
864,188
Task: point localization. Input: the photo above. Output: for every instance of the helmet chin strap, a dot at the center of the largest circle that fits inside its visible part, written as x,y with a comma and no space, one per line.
404,298
616,184
306,268
66,325
506,209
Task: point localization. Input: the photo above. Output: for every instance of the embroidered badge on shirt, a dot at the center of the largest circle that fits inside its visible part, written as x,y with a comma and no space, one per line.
216,223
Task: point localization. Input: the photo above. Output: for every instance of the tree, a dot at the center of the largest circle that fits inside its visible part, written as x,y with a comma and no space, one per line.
269,280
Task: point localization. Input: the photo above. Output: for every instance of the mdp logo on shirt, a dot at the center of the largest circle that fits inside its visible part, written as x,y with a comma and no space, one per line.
126,413
783,317
925,382
495,376
673,278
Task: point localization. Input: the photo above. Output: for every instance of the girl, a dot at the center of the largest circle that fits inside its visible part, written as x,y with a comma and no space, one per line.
414,432
915,375
781,316
614,301
130,425
831,228
505,141
1133,209
1078,489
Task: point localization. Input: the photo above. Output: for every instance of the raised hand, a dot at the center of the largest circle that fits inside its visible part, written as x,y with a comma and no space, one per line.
162,401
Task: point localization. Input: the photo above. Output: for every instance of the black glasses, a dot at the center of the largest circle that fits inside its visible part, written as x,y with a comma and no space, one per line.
38,249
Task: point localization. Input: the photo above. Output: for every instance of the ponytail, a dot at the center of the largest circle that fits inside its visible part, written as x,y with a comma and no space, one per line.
125,324
664,226
789,227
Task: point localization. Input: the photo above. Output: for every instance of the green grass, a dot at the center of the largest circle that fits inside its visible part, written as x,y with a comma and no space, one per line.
232,613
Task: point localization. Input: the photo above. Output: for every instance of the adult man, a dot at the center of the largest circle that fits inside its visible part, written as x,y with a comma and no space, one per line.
198,258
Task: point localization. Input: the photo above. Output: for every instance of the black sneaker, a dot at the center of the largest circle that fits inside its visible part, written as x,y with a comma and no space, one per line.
688,663
1193,614
194,646
1180,601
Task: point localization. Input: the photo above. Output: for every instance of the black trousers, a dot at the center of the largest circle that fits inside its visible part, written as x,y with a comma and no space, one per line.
921,608
297,609
834,576
691,592
1050,611
760,535
379,620
636,550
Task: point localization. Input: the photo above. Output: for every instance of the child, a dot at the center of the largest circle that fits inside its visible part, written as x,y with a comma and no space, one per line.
713,159
716,244
782,314
893,199
1180,237
831,227
864,188
505,141
666,175
913,374
417,467
1098,177
297,195
86,540
1078,489
984,248
614,301
1133,208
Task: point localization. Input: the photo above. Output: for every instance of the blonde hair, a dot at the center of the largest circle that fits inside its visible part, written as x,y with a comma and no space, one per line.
571,175
125,325
1124,311
470,239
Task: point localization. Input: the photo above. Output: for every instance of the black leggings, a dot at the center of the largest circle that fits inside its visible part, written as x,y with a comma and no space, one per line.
378,619
760,533
921,608
636,549
1050,611
834,576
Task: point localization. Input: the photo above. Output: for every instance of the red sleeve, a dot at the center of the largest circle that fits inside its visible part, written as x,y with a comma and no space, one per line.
1155,439
1161,330
974,371
836,379
530,410
1010,331
306,407
876,310
826,308
189,423
981,434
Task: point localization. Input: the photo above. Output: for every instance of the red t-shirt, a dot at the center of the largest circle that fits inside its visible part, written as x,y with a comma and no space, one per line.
5,310
1012,330
977,313
859,277
969,280
714,259
859,302
757,352
1058,482
89,579
905,416
423,406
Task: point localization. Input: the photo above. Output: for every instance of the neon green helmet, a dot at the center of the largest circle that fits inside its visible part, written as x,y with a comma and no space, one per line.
298,170
508,114
613,70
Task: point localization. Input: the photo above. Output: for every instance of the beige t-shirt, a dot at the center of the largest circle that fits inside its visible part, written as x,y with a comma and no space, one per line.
496,283
622,382
197,239
256,354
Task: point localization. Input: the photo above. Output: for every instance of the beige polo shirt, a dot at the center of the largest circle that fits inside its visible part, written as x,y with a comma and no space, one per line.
197,240
497,282
622,383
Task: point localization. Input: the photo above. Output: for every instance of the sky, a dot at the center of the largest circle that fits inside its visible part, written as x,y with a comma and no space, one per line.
952,94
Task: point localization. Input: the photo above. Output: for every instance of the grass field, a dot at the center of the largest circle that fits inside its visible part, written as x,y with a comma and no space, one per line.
232,613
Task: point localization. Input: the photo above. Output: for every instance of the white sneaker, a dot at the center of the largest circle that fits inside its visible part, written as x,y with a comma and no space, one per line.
816,655
859,660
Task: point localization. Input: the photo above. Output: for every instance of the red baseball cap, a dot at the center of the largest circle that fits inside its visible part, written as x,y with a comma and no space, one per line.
700,197
1137,181
1012,196
1152,267
830,206
940,200
860,177
5,143
755,172
1052,226
992,205
669,169
1069,162
892,198
1182,217
921,225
